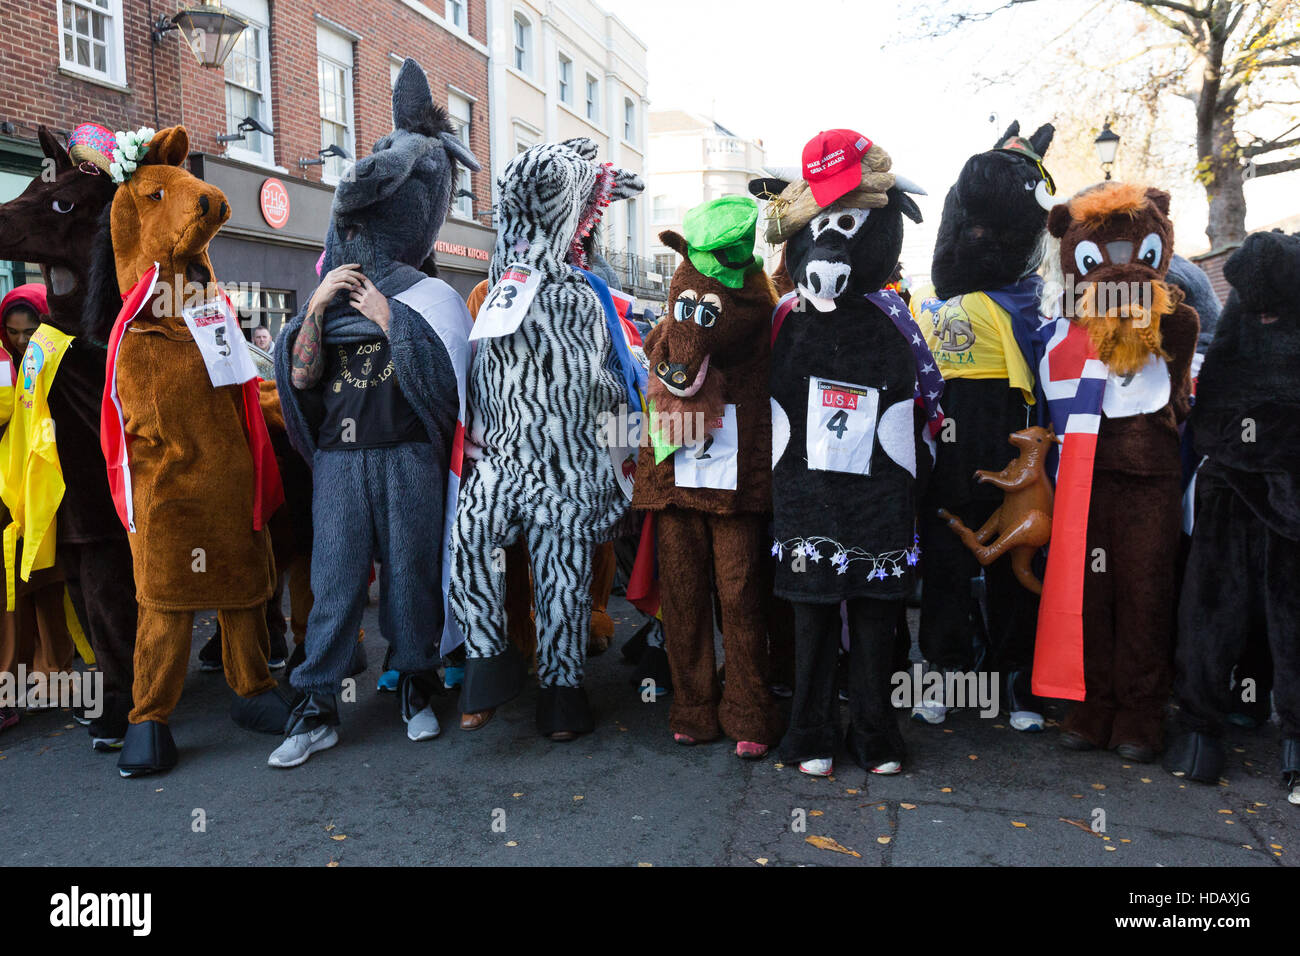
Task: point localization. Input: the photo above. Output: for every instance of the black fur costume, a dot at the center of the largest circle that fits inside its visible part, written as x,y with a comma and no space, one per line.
989,241
866,521
1245,558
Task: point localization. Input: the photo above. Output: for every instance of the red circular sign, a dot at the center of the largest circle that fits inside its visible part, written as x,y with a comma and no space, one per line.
274,201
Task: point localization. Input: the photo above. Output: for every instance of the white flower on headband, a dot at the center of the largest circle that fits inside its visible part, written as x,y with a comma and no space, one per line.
130,149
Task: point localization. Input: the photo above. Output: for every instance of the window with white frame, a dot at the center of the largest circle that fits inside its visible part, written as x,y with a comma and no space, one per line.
523,44
459,110
593,99
525,139
90,38
566,80
629,120
334,84
456,14
248,83
664,211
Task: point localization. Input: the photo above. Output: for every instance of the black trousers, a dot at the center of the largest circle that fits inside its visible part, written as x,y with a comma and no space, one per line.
101,582
1241,582
873,736
949,611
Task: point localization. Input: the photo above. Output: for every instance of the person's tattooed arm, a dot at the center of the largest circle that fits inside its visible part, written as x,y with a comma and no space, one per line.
308,359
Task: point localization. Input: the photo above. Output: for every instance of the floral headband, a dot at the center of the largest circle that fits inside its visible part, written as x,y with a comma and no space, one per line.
129,151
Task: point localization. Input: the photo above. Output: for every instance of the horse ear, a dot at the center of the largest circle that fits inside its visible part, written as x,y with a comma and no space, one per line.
1058,220
583,146
412,101
53,149
169,147
674,241
1160,199
459,151
1012,130
767,186
626,185
1042,138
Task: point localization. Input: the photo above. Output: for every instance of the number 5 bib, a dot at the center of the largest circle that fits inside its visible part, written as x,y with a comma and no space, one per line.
710,462
841,426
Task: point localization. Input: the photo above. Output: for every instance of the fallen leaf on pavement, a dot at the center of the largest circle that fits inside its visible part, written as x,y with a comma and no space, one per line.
339,836
814,813
883,839
512,843
945,789
908,806
761,861
332,863
826,843
1099,786
1018,824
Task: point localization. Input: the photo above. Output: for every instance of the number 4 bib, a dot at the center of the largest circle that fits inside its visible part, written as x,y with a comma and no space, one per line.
841,426
710,462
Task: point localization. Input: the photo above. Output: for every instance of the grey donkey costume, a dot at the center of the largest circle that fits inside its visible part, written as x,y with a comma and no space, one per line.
380,491
537,397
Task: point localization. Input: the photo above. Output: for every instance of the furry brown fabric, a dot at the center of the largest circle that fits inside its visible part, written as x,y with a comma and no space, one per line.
191,472
738,351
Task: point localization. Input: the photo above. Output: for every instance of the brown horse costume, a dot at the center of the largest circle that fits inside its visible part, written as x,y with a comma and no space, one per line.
712,535
190,486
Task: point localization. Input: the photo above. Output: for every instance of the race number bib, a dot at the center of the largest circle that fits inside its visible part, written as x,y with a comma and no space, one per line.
1139,394
506,305
841,426
710,462
221,343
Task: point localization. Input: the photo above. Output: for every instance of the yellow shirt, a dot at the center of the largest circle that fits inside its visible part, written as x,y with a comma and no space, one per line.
970,336
31,480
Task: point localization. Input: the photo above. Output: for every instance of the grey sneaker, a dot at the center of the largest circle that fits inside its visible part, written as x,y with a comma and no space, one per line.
297,748
423,726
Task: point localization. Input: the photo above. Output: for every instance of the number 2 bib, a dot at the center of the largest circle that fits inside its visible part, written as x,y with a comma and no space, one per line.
841,426
710,462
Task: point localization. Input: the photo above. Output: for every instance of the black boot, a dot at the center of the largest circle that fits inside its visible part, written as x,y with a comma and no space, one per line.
635,645
109,728
563,713
491,681
265,713
653,665
210,653
147,748
313,709
1195,756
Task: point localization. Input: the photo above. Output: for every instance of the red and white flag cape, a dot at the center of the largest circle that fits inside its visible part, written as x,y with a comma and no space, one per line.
268,492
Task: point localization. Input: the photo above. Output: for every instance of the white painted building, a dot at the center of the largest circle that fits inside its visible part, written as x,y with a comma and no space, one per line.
566,68
693,159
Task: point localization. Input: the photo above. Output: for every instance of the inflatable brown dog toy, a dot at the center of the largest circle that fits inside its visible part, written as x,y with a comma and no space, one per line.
1023,522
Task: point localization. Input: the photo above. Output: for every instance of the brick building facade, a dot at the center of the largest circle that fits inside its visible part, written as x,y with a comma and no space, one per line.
304,67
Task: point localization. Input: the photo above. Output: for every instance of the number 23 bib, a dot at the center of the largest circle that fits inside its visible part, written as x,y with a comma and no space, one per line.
841,426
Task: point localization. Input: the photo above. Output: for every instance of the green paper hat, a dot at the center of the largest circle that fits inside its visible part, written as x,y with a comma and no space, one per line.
720,237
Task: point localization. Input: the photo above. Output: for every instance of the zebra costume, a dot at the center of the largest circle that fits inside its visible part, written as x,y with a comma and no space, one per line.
537,398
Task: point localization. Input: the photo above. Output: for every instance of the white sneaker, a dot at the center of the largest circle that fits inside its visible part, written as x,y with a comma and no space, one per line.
423,726
930,713
888,767
299,747
1294,795
821,767
1027,720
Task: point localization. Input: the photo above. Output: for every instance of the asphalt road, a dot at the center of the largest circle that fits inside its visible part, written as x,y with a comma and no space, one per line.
973,792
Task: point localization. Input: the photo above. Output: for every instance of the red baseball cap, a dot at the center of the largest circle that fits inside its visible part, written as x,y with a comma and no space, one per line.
832,163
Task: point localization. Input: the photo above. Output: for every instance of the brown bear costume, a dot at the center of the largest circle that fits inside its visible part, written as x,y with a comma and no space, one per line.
190,464
714,513
1116,241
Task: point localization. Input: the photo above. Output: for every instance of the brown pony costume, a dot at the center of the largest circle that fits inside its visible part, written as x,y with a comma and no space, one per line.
712,518
178,453
1116,241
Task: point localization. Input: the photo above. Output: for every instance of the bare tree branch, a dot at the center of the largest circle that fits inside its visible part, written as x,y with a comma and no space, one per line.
1282,61
1272,169
1258,149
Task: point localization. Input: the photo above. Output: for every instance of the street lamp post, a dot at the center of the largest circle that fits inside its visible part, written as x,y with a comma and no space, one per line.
1107,143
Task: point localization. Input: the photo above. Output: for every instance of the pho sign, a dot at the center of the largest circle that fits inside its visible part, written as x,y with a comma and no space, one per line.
274,200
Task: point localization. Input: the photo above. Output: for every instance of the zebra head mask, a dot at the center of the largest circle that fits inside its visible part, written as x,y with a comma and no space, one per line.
553,196
390,205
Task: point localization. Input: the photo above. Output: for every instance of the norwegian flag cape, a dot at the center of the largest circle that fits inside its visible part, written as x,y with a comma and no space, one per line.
268,492
929,380
1073,379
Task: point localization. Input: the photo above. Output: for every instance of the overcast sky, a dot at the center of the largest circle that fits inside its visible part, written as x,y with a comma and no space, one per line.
782,71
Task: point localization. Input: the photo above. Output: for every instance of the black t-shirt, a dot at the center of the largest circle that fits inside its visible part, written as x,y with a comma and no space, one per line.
364,404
